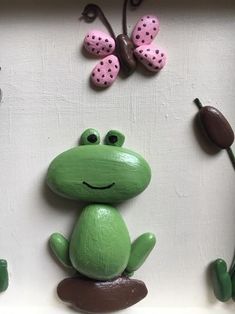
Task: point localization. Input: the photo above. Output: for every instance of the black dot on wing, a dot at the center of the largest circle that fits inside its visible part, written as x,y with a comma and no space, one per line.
140,51
111,75
101,62
110,46
147,17
109,70
148,49
146,55
154,58
106,40
88,36
93,37
150,64
98,80
153,21
147,33
144,25
160,61
93,74
116,66
93,49
88,44
137,36
108,51
105,83
156,68
110,61
139,28
157,51
99,38
142,41
162,54
103,75
98,70
97,44
154,29
103,48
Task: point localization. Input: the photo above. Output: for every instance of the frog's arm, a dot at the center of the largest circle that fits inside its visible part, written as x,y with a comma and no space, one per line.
140,250
60,247
3,275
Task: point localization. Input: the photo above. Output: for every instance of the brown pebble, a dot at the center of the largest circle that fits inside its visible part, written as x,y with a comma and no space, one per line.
101,296
216,127
125,49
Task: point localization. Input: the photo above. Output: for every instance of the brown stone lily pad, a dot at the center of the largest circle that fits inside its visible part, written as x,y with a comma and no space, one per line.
101,296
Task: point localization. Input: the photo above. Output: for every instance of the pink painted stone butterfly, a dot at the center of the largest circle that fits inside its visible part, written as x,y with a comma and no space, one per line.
122,51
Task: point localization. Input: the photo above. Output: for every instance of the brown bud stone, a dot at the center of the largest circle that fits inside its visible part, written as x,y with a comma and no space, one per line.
125,51
101,296
216,127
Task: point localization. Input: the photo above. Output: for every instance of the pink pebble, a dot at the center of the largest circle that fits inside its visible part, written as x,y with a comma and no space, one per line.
106,71
99,44
152,57
145,30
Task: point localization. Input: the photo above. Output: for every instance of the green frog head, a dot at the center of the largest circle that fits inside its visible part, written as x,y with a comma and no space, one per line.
93,172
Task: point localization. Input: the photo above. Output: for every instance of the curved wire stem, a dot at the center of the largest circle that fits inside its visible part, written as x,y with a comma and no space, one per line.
231,156
232,159
134,3
92,11
198,103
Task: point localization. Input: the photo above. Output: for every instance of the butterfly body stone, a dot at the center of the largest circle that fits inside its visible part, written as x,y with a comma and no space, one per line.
106,71
99,44
145,30
125,50
152,57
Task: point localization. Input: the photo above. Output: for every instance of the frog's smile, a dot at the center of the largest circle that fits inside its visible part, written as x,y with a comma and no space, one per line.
98,187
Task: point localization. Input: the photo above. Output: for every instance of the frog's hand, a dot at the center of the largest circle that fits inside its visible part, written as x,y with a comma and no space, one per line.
3,275
60,247
221,280
140,250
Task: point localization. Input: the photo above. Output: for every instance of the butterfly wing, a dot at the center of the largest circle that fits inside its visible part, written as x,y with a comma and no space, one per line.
106,71
145,30
98,43
153,58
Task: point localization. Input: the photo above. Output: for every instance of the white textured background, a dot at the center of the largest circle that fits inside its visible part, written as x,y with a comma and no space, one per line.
47,103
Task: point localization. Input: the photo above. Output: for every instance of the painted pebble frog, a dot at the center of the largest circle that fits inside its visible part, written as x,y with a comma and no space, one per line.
100,249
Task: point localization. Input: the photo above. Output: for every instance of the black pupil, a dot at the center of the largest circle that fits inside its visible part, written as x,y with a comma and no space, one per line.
92,138
113,139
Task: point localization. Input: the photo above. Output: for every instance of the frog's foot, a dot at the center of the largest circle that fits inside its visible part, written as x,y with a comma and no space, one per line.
101,296
221,280
3,275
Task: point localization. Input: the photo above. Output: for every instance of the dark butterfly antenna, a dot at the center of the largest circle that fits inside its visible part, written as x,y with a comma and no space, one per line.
92,11
134,3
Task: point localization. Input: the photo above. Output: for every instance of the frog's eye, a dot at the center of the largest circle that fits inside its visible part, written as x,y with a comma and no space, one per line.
114,138
90,137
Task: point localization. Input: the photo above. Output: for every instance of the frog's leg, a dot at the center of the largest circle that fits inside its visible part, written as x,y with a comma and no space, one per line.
3,275
221,280
140,250
60,247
